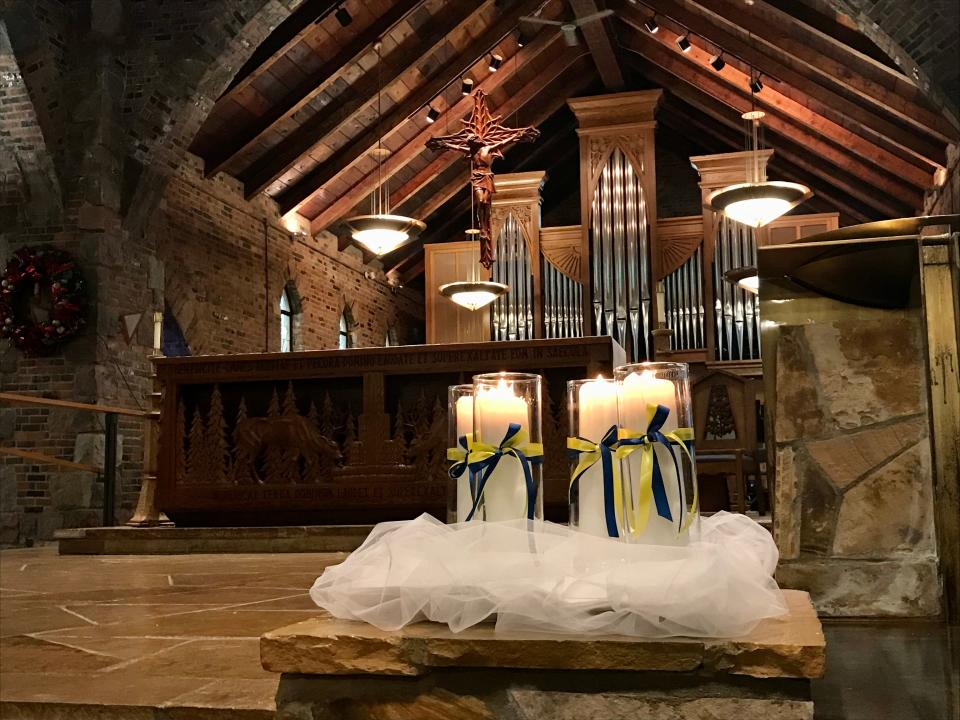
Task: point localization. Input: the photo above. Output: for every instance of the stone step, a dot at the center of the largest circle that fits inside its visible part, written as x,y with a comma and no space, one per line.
169,540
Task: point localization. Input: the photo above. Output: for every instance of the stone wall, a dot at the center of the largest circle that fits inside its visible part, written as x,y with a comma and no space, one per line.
847,396
211,242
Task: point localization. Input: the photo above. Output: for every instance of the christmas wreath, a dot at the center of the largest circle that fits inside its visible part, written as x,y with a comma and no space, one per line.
43,299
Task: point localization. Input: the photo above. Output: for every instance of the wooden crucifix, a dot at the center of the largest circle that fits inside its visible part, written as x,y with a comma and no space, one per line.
482,139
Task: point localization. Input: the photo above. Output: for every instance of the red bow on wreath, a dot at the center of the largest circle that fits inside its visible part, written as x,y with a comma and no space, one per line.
33,270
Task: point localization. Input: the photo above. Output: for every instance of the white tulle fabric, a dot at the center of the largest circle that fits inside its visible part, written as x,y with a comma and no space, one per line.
549,578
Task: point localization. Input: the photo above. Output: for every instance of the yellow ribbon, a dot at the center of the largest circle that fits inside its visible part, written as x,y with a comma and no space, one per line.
639,514
482,458
590,453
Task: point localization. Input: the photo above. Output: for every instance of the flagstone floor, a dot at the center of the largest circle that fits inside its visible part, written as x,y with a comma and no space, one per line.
176,632
180,632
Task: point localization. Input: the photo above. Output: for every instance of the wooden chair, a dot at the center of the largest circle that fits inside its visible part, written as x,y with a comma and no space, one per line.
724,420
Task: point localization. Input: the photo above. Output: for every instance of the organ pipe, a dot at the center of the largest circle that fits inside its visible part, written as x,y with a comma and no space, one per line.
620,256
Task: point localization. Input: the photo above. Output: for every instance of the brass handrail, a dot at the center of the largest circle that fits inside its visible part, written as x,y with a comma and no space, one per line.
51,402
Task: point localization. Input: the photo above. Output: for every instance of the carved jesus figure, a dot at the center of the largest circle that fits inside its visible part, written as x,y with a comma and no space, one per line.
482,139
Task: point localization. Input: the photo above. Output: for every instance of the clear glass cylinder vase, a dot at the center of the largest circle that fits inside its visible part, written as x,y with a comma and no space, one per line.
659,473
460,429
596,502
506,424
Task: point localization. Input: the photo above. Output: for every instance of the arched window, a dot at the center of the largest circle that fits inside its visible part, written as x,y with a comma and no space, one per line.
289,318
344,341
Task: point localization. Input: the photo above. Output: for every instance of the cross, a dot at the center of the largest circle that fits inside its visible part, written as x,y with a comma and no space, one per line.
483,139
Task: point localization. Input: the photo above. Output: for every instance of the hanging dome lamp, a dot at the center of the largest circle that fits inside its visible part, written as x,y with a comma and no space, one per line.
758,201
381,231
473,294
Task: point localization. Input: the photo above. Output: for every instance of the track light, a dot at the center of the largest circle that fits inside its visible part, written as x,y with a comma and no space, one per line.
432,114
343,16
684,43
495,62
755,85
652,25
521,39
717,62
466,86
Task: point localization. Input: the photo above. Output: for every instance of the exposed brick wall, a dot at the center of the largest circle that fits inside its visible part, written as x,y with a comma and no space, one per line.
117,90
211,242
919,35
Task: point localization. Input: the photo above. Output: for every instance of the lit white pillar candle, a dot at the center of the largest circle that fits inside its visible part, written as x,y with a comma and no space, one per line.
464,427
639,391
597,403
157,331
505,492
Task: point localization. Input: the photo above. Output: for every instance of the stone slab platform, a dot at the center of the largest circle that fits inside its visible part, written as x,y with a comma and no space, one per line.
332,666
169,540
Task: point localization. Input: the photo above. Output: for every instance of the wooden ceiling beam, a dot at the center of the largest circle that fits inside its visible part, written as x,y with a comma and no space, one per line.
867,78
302,23
786,76
264,172
343,204
704,80
799,155
597,36
682,119
317,82
781,110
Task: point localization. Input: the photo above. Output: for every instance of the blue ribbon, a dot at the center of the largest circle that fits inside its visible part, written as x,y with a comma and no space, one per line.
483,460
654,436
606,447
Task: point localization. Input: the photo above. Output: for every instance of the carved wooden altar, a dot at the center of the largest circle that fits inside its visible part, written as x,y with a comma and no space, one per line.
341,436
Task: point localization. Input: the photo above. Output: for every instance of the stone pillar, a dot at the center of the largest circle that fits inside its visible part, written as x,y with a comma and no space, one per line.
847,402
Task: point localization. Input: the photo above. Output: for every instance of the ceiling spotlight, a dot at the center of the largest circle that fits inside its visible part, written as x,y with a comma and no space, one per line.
684,43
652,25
755,85
717,62
521,39
495,62
432,114
466,86
343,16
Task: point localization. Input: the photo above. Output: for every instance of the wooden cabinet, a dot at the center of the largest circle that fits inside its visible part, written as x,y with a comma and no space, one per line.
791,228
447,322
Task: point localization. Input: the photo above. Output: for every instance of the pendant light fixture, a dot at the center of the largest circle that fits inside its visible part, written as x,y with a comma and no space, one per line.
382,232
474,293
758,201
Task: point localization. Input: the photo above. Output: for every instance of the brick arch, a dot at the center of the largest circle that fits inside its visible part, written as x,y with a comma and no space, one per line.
185,90
920,36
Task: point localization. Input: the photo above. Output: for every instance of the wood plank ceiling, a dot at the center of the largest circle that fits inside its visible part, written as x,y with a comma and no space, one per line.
300,120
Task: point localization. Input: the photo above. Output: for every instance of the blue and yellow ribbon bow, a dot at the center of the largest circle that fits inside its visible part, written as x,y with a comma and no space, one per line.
651,485
482,459
588,454
458,456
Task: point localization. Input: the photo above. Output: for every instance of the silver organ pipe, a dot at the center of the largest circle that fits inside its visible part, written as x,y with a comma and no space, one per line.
683,297
737,319
561,302
512,316
620,256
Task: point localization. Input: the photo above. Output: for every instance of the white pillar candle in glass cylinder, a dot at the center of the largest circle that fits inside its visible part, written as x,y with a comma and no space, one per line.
464,428
505,492
639,390
597,403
